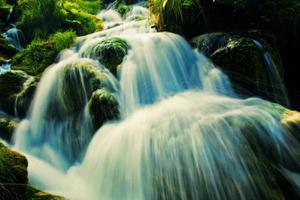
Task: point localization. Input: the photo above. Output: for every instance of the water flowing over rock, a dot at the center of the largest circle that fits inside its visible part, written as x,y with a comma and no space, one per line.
61,103
252,66
183,133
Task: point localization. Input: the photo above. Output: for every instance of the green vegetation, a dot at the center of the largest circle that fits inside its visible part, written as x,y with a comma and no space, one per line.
39,19
39,54
123,8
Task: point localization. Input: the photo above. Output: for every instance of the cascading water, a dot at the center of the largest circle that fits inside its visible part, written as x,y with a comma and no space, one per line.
5,67
183,134
15,37
279,90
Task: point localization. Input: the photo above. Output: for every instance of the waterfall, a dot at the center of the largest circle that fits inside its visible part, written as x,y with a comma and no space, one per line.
183,133
15,37
279,91
5,67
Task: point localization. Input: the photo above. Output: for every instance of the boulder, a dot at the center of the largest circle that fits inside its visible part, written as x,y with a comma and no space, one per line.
34,194
7,127
103,106
13,174
11,83
16,92
242,58
110,52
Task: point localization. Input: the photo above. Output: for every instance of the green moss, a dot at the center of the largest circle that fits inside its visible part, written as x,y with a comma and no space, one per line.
39,19
13,174
103,106
109,52
34,194
39,54
123,9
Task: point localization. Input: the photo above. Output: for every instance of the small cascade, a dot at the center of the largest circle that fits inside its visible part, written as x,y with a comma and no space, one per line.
279,91
167,66
9,14
59,125
14,37
5,67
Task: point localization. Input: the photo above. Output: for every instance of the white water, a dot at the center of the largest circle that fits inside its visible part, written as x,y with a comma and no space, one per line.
14,36
183,134
279,91
5,67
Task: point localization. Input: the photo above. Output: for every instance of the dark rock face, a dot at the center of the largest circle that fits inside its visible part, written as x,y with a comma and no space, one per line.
16,92
7,127
242,59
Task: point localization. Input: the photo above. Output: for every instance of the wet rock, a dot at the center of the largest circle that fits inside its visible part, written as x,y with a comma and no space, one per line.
109,52
13,174
11,83
34,194
242,59
7,127
291,122
103,106
16,92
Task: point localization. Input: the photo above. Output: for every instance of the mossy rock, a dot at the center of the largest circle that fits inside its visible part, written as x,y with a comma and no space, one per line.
39,54
34,194
103,106
13,174
24,98
110,52
7,127
242,59
11,83
291,121
16,92
76,82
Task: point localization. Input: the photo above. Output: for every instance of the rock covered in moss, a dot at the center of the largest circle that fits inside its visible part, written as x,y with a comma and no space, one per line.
103,106
13,174
78,81
34,194
11,83
110,52
7,127
242,59
39,54
16,92
291,121
24,98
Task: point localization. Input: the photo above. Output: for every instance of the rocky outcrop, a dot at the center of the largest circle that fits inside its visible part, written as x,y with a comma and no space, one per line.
242,58
16,92
7,127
